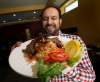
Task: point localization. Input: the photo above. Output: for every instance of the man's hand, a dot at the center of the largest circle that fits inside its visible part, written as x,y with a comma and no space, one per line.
17,44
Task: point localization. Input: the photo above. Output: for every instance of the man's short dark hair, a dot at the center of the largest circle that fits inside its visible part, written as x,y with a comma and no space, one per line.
56,7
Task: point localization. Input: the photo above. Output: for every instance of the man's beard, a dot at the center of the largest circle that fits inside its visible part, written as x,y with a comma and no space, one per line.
51,29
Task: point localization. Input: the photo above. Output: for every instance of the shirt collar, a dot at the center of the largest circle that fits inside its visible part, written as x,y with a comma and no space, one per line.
60,33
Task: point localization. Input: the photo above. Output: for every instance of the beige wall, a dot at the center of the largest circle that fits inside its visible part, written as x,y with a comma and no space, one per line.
87,18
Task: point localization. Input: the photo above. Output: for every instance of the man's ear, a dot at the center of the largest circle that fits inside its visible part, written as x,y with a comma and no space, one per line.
60,21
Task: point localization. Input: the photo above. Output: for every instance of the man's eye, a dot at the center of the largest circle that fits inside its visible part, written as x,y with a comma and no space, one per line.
54,18
45,19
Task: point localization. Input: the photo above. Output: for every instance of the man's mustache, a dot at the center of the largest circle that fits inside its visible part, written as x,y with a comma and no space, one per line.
49,25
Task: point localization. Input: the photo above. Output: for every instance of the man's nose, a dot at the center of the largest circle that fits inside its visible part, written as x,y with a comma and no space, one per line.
49,21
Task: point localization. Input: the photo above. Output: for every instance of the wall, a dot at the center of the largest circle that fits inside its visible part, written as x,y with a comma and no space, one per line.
86,17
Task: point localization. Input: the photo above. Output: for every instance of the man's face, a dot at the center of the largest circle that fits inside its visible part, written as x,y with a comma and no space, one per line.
51,21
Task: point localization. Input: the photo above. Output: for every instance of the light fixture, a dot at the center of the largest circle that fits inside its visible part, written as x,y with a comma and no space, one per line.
14,14
34,12
4,21
19,19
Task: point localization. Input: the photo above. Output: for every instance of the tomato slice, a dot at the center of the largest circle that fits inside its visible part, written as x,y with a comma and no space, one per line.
57,55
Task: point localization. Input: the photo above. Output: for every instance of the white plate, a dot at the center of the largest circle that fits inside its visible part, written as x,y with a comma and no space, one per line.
18,63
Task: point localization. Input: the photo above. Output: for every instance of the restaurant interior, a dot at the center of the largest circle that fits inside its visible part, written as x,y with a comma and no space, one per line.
20,21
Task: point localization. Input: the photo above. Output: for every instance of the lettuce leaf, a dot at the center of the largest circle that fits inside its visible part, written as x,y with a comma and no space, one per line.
46,71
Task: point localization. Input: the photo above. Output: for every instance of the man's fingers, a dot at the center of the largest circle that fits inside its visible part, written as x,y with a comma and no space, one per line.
17,44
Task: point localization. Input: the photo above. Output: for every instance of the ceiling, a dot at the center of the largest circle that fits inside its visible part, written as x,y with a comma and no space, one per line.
19,11
8,6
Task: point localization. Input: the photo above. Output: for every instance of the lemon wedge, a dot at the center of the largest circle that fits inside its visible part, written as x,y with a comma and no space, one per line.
73,47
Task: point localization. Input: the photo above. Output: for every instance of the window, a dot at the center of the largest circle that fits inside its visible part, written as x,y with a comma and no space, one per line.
71,6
